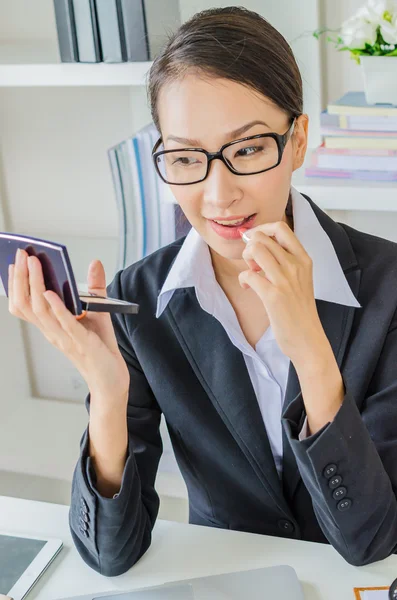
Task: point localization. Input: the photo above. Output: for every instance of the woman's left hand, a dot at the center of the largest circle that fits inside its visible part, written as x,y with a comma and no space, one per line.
284,283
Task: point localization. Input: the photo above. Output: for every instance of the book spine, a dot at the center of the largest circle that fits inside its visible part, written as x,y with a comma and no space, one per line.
133,30
119,195
336,109
162,18
356,163
355,175
141,194
87,31
66,30
361,142
110,34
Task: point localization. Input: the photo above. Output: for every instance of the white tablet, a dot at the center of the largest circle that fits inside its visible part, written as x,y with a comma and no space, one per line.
22,560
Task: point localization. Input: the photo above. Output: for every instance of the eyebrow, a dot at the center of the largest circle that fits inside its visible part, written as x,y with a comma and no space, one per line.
231,134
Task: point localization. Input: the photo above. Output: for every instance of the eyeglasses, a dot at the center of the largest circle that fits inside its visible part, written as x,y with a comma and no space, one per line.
246,156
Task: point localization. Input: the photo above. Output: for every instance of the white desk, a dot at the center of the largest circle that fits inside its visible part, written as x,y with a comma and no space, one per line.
181,551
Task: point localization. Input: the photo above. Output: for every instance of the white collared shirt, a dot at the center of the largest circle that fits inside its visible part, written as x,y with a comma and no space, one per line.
266,364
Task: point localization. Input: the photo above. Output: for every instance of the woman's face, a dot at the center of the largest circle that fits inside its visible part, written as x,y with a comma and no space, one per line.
204,112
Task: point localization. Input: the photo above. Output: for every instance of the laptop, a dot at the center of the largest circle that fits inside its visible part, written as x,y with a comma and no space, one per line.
279,583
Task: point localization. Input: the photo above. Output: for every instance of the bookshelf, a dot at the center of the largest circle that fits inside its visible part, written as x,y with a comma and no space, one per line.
73,74
347,195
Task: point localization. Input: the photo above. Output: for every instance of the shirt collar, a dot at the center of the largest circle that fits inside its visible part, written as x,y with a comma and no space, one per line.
193,261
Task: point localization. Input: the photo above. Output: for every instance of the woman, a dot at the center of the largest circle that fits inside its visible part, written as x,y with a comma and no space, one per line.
271,357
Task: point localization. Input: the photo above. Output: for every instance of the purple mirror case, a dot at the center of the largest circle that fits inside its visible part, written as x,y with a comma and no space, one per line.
55,262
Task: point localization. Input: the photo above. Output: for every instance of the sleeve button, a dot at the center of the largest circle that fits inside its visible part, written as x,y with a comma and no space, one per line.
286,526
344,504
329,471
339,493
335,482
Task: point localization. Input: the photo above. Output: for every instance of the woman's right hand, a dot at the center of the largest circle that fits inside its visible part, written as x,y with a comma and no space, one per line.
90,344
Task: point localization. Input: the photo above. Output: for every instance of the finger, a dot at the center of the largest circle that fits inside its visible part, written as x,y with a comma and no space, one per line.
11,305
259,284
21,292
259,253
96,278
280,254
11,269
284,236
41,309
75,331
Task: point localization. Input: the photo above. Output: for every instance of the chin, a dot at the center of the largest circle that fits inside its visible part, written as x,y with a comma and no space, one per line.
231,250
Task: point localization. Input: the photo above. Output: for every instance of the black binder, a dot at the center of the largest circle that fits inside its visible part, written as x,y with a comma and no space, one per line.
66,29
111,31
87,31
134,30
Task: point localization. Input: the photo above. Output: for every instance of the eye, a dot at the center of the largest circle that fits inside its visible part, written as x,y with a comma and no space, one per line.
182,160
249,150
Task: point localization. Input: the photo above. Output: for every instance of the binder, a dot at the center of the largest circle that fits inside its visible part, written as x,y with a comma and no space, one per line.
111,31
66,29
119,195
87,31
133,30
161,18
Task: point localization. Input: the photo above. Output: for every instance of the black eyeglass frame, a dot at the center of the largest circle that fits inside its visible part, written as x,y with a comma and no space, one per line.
280,138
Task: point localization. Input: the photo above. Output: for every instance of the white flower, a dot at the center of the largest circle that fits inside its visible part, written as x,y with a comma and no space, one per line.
357,31
389,31
375,10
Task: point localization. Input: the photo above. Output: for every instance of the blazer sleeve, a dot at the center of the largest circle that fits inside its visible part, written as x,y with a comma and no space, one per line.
356,454
111,534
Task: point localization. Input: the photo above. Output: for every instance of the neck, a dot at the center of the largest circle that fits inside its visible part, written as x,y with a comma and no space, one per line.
227,270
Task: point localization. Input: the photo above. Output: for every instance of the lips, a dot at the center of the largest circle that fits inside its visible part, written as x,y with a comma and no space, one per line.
231,232
234,221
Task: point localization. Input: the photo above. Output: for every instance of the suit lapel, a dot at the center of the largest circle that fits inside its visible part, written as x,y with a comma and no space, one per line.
221,369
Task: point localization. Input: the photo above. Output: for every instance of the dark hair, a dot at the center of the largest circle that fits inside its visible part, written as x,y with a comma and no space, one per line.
233,43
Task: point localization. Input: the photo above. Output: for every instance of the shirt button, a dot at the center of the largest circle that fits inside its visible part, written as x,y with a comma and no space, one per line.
329,471
339,493
286,526
344,504
335,482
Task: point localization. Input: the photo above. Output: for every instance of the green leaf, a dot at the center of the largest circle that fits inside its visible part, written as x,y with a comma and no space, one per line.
392,53
356,58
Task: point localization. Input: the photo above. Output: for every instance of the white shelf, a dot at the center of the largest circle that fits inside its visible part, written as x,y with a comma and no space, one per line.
339,194
73,74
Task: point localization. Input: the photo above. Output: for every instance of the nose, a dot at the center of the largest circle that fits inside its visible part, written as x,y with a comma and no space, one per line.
220,186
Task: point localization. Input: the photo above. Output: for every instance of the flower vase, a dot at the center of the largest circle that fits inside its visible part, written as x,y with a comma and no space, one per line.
380,79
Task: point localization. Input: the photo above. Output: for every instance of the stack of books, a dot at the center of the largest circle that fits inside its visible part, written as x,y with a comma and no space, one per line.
114,31
359,141
149,216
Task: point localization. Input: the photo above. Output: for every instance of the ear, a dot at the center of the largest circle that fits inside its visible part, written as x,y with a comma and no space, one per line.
299,140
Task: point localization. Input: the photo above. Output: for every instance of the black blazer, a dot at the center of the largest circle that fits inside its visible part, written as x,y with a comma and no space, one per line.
184,366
